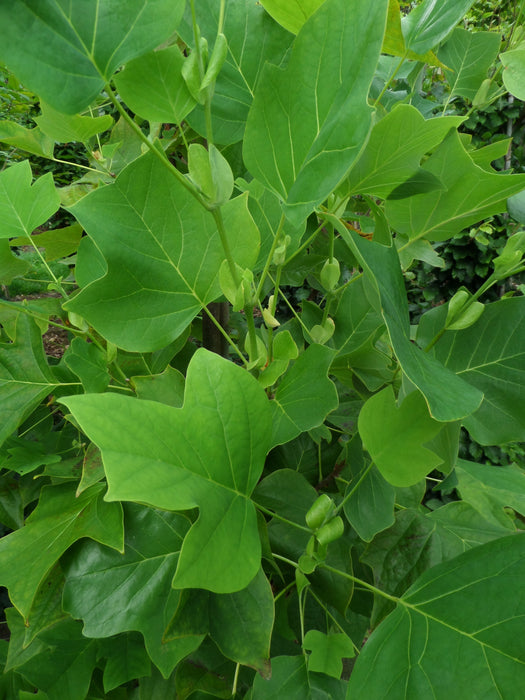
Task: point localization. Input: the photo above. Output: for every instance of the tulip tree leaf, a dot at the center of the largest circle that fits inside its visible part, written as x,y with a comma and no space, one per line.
293,14
163,255
302,136
25,377
253,40
489,490
291,680
395,436
491,356
426,540
327,652
514,71
305,396
133,588
60,662
208,454
23,206
89,363
472,194
63,128
30,140
153,86
469,606
448,396
394,151
59,520
11,266
431,21
239,623
370,507
469,56
66,52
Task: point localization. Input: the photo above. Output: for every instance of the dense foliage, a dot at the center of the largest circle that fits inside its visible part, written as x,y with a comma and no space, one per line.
241,477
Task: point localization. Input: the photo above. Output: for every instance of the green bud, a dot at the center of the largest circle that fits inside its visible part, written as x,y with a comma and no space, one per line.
331,531
322,333
320,511
330,274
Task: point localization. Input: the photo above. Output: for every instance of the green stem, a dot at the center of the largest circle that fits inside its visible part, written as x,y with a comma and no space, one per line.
329,614
272,309
284,591
235,680
284,520
252,334
219,222
221,330
308,241
160,155
58,284
360,582
390,80
269,259
286,560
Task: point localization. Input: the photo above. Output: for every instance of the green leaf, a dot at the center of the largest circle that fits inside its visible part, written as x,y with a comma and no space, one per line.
23,206
88,362
127,659
166,387
394,151
514,72
57,243
472,194
133,589
30,140
59,520
395,436
305,396
293,14
63,663
168,267
153,86
425,540
291,680
357,323
516,206
63,128
92,469
430,22
11,266
449,397
469,56
46,609
253,40
468,606
25,378
239,623
370,507
67,53
302,137
394,41
491,489
327,652
490,355
152,454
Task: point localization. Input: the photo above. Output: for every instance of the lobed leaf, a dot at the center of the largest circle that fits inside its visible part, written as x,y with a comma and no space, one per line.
162,254
208,454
